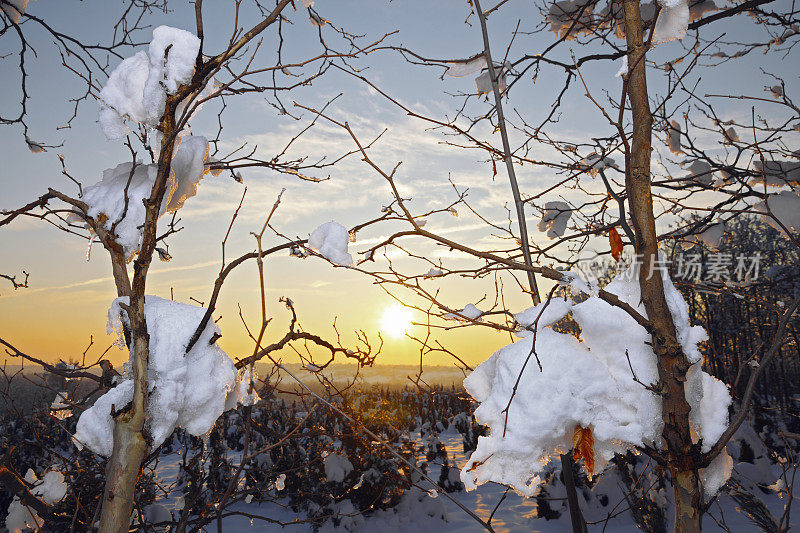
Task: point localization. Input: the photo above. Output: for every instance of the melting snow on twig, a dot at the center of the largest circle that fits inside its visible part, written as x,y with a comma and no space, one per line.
555,218
468,314
331,240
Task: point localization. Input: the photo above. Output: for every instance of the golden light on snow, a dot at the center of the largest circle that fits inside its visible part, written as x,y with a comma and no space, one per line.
396,320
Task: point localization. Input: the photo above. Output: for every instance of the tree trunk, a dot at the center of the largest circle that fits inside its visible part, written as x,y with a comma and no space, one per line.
130,441
130,445
688,505
122,471
672,363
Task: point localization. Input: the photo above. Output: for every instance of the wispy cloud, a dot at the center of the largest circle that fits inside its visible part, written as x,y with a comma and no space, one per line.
97,281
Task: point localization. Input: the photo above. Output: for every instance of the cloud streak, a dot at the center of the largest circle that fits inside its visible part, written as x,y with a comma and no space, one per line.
96,281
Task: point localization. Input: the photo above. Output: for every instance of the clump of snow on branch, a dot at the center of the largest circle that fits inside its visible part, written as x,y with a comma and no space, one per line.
433,273
118,196
674,137
14,9
577,284
484,80
34,146
61,407
555,218
570,16
730,135
468,314
121,98
331,240
623,67
51,489
783,206
585,382
672,22
698,9
712,235
594,163
543,315
778,173
108,196
337,467
186,389
458,69
189,165
714,476
315,19
137,89
244,390
700,171
173,53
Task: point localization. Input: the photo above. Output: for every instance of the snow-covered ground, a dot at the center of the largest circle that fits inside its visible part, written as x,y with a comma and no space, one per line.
422,511
418,512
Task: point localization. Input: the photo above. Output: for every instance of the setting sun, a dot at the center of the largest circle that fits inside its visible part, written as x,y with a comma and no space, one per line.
396,320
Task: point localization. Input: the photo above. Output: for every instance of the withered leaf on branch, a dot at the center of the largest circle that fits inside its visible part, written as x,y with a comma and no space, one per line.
583,447
616,243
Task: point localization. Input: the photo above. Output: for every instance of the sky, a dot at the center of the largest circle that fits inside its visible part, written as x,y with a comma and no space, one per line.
68,296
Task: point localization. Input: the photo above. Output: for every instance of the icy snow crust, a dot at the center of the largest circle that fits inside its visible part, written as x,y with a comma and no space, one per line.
186,389
588,383
108,195
137,89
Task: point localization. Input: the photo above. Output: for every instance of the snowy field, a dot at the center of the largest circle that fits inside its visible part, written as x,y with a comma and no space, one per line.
421,511
758,470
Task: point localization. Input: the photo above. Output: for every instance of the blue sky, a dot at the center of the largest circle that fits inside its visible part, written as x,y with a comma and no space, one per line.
68,296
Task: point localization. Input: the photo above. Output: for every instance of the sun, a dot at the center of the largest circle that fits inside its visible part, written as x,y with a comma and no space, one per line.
396,320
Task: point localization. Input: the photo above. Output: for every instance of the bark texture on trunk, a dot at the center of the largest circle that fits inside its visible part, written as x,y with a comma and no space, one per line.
672,363
122,471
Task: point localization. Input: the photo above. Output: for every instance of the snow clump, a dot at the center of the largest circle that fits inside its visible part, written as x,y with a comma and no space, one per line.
594,163
14,9
51,489
623,68
137,89
337,467
586,382
712,235
186,389
331,240
672,22
460,68
543,315
783,206
555,218
135,181
244,391
468,314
